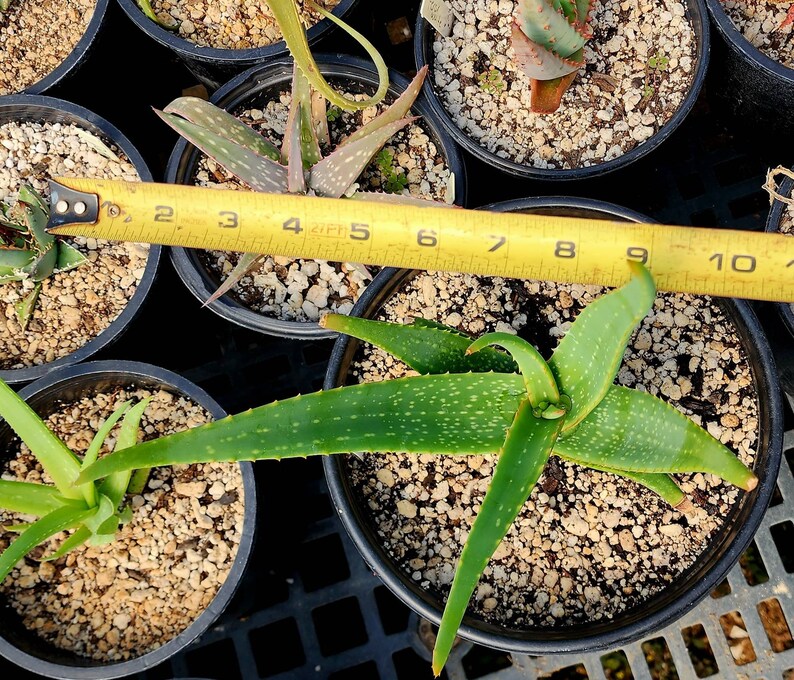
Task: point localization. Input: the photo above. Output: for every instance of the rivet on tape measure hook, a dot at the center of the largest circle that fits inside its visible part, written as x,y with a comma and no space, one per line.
723,262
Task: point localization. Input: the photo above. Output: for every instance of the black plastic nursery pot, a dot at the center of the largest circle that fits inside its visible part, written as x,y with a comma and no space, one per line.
261,84
677,598
77,56
214,66
36,108
785,309
25,648
750,83
423,53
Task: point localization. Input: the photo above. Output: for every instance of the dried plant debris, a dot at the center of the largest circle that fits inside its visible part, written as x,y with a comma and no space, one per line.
124,599
74,306
587,545
36,36
617,101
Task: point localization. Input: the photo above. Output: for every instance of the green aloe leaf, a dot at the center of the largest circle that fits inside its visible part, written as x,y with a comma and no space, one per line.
24,308
246,263
13,262
115,485
296,180
289,21
31,499
89,490
538,379
4,5
550,29
57,460
425,346
301,115
334,174
521,460
80,536
455,414
68,258
538,62
96,523
211,117
259,172
38,532
637,432
587,359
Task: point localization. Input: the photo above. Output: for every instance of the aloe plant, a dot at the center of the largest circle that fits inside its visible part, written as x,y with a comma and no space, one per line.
27,251
93,510
475,399
299,166
548,38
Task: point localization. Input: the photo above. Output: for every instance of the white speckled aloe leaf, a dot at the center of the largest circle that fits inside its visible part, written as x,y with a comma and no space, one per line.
259,172
58,520
425,348
289,21
57,460
12,262
445,414
246,263
548,28
536,61
296,180
68,258
521,460
637,432
396,199
587,359
399,109
211,117
334,174
31,499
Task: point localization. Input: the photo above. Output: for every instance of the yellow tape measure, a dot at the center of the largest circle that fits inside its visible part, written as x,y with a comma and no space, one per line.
720,262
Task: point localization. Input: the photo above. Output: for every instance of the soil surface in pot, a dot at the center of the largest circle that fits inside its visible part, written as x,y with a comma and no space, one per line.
587,545
121,600
766,25
229,24
74,306
305,290
36,36
639,68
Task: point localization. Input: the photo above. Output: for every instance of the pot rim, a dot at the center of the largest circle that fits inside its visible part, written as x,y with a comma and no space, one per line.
696,9
785,309
35,108
733,538
153,375
233,94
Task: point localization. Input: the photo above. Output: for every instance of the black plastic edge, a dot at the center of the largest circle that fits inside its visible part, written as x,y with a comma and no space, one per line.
696,12
659,610
147,375
772,225
234,94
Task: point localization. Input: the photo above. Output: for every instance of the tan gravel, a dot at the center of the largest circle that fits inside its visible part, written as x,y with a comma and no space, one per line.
587,545
766,25
127,598
36,36
74,306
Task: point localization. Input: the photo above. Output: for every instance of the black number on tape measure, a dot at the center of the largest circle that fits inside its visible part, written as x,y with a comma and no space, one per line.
790,264
742,264
500,241
359,232
426,237
637,253
293,224
230,219
565,249
163,213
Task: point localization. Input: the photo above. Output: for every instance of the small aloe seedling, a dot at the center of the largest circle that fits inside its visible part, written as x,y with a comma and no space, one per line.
4,5
473,399
168,24
299,166
548,38
93,510
27,251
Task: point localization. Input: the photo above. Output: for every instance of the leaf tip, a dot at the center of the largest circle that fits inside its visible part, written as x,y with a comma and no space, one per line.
751,482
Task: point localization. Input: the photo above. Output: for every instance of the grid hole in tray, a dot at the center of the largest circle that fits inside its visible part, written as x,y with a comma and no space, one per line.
322,563
736,170
777,497
339,626
788,674
659,659
410,666
739,642
364,671
723,588
394,615
482,661
700,652
318,507
704,218
691,186
616,666
284,637
577,672
753,204
783,536
753,567
216,660
775,625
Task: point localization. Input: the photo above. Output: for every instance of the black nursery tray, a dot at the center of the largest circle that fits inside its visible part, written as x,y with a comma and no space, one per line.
309,607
